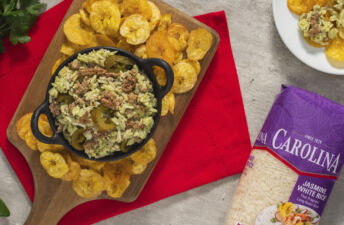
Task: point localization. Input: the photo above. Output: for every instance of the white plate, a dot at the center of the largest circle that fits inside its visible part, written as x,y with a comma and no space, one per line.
287,26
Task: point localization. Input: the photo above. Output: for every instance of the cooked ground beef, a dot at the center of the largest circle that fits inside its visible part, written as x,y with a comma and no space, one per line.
74,65
92,71
80,101
129,83
112,74
314,30
139,107
71,106
143,89
132,98
84,119
88,145
134,125
109,100
54,108
91,64
81,88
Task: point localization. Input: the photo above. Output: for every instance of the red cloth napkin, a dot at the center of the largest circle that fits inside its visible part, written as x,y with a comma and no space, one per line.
211,141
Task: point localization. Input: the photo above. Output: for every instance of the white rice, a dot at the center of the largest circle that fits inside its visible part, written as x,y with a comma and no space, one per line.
268,182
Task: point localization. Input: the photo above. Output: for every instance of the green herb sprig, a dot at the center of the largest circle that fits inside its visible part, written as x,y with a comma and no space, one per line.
16,19
3,209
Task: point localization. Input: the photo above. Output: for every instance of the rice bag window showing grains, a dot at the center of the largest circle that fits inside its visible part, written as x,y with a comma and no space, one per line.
294,163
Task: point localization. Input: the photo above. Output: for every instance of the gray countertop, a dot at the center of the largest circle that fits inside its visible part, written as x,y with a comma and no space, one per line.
263,63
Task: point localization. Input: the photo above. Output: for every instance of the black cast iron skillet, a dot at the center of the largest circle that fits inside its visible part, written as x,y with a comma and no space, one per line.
144,65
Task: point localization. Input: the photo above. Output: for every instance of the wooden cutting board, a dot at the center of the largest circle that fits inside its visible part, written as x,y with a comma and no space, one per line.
53,197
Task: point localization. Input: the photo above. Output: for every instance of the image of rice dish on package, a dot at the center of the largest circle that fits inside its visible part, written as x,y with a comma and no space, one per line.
294,164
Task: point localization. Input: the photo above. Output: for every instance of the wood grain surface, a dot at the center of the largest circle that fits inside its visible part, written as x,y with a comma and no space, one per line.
54,197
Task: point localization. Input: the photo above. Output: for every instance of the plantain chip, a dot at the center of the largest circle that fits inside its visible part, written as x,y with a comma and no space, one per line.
199,43
23,125
85,17
129,7
178,57
88,4
117,177
135,29
185,77
168,103
74,169
69,48
88,164
335,52
158,46
137,168
58,63
101,40
54,164
321,2
105,17
44,125
312,43
76,32
146,154
90,184
141,52
156,16
165,21
195,64
300,6
123,44
177,35
30,140
44,128
42,147
160,75
24,131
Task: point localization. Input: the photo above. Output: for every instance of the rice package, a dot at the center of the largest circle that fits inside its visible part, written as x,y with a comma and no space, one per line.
294,163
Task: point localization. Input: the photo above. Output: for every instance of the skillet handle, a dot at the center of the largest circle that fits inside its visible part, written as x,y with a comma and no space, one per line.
43,108
168,70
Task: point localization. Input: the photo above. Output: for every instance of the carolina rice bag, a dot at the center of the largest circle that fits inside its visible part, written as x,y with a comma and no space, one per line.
294,163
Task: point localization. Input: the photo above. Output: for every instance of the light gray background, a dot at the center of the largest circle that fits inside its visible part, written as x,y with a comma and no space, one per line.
263,63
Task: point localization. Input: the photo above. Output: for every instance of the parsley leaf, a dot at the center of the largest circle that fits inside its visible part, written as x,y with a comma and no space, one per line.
21,38
35,9
273,220
2,49
9,7
16,19
3,208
